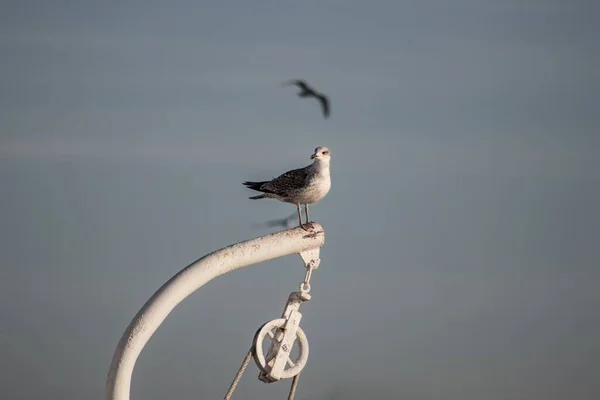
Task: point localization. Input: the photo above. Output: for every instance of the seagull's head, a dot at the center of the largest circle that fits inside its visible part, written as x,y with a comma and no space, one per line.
321,154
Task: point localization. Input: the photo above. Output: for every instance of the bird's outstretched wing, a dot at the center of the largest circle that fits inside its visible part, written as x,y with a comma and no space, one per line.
298,82
324,104
291,180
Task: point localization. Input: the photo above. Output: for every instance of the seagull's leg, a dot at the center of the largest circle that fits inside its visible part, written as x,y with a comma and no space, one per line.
306,212
299,214
300,217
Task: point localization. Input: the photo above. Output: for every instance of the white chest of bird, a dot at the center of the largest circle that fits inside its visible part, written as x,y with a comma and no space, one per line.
319,184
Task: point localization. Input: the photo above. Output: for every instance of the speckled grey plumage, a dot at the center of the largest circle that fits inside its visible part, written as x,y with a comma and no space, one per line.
306,185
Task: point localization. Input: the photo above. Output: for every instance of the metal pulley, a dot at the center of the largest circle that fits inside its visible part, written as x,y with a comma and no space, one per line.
283,333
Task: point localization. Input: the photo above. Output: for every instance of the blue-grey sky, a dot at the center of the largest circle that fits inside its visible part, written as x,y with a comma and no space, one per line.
462,225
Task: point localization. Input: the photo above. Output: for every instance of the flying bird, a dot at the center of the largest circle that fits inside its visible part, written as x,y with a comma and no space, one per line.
307,91
286,222
306,185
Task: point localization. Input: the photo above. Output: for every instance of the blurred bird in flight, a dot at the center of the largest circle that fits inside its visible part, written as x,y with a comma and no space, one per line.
307,91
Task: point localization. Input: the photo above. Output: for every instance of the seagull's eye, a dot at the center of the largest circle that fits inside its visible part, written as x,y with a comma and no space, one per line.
325,152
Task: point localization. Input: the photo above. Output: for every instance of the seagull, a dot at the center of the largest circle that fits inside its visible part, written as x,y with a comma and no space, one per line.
284,222
306,185
307,91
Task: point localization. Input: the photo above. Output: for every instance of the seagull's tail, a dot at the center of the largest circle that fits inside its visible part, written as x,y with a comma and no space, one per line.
256,186
260,196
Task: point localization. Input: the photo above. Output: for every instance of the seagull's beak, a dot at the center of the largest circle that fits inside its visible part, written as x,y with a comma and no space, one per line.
313,156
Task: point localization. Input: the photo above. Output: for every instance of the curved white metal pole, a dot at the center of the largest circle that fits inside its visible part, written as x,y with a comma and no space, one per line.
188,280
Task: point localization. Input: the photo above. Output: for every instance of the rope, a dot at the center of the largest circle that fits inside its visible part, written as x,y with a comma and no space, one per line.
293,388
240,372
238,376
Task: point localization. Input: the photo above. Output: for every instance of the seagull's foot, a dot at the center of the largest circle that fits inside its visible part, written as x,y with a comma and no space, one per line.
307,226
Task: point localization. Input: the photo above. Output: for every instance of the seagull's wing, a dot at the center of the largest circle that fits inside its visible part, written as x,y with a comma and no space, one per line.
291,180
324,104
298,82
